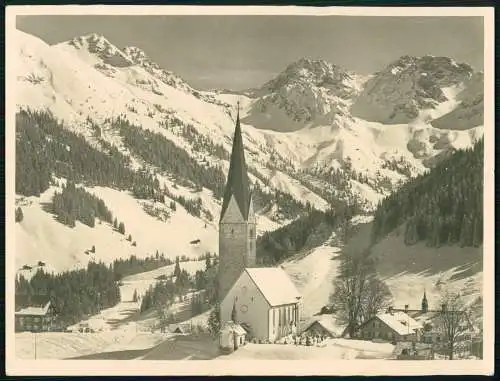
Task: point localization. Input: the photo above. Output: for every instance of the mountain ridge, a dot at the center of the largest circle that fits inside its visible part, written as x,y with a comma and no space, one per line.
332,157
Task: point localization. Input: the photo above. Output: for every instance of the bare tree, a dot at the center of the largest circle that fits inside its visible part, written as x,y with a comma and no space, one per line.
358,293
376,298
453,320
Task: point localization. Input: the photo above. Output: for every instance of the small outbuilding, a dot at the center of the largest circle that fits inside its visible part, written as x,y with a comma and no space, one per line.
231,336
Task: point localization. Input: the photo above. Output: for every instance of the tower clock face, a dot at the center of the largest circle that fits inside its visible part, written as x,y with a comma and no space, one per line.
243,308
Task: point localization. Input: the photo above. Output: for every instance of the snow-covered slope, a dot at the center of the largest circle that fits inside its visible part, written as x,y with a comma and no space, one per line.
90,79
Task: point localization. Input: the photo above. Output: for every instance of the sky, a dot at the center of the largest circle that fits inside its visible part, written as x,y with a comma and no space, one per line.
241,52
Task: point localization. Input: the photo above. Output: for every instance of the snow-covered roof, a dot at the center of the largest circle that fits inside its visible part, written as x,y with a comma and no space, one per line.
41,311
400,322
274,284
328,323
234,327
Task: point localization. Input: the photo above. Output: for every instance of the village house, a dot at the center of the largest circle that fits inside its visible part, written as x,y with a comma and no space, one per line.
37,315
264,300
391,326
322,326
431,321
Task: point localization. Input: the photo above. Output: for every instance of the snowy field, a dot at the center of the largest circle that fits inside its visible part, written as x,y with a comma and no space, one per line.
334,349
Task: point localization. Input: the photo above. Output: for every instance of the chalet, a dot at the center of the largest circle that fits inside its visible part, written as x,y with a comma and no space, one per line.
391,326
266,301
322,325
36,314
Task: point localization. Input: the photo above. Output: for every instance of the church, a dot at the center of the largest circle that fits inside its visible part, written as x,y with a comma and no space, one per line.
262,300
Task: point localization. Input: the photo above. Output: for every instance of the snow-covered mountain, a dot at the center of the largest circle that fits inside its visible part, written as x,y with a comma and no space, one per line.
303,130
306,92
400,92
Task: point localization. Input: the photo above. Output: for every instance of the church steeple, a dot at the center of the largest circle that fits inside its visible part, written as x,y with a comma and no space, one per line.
425,304
237,225
238,184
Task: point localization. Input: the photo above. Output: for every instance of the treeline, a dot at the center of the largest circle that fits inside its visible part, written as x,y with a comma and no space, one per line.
442,206
76,204
274,247
198,142
287,206
163,294
45,148
157,150
133,265
75,294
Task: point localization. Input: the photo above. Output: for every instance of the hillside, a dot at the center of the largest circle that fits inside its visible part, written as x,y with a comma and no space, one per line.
428,234
155,150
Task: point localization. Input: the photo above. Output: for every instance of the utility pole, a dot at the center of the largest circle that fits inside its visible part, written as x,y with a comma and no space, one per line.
35,335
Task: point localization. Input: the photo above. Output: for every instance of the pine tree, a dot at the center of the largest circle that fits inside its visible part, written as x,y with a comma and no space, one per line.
121,228
177,268
214,322
115,223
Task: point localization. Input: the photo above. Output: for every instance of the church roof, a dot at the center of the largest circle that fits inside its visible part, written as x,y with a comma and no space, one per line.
238,184
274,284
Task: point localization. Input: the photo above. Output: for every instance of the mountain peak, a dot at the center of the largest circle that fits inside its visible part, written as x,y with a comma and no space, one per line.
429,63
408,85
100,47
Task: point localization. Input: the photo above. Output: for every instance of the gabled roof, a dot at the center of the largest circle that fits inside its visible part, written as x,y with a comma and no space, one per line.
40,311
400,322
327,322
238,184
274,284
234,327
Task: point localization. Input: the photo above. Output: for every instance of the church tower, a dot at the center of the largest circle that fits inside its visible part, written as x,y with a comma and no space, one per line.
237,224
425,304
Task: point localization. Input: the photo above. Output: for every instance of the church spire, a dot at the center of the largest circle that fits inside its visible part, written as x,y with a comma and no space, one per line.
238,184
425,304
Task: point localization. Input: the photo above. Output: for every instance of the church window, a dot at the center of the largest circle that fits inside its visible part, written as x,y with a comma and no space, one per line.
251,233
232,231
